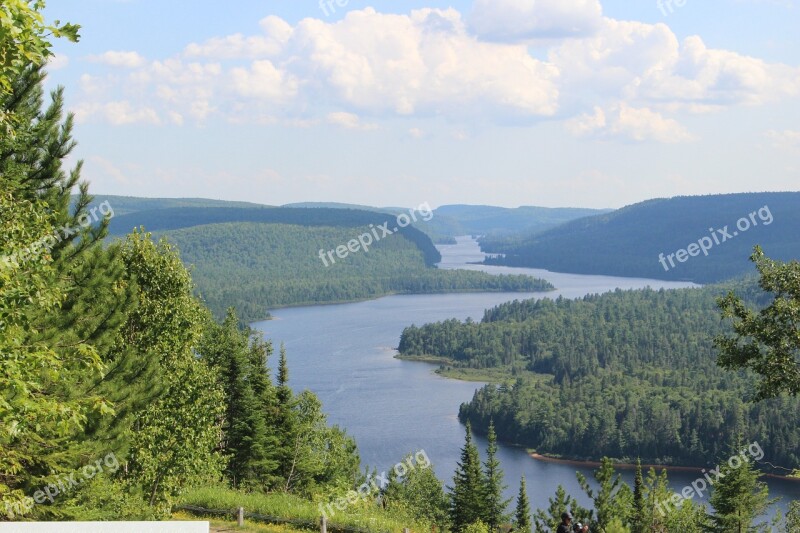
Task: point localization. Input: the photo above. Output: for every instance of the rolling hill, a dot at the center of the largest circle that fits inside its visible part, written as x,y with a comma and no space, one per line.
698,238
257,258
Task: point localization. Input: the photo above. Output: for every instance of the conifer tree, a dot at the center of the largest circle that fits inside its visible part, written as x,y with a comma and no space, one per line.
547,520
240,366
467,503
92,297
522,515
613,499
638,518
495,504
738,497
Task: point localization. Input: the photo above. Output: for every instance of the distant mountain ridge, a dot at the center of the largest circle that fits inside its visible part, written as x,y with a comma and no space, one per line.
449,221
664,238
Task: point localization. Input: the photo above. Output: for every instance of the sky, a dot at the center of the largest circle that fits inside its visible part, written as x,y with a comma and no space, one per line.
556,103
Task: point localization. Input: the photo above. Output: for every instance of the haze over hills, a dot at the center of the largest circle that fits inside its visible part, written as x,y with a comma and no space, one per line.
448,221
630,241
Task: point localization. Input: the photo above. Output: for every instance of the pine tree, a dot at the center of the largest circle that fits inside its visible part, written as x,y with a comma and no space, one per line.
639,511
547,520
249,440
612,499
92,295
467,503
522,515
495,505
738,497
284,392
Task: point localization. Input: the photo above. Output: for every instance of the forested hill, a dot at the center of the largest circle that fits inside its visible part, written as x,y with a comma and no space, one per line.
259,258
124,205
629,374
160,220
628,242
484,219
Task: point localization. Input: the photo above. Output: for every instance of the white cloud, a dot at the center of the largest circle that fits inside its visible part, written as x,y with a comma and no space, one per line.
117,113
646,64
784,138
349,121
122,59
264,81
524,20
621,121
428,63
276,34
417,133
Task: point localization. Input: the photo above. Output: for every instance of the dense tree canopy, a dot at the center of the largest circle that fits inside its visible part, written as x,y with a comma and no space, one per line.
626,374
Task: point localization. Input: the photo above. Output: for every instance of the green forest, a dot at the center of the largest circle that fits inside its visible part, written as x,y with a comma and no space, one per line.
258,258
629,241
629,374
255,267
123,398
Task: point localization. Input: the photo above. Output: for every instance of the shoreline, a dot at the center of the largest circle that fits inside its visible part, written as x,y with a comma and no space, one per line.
631,466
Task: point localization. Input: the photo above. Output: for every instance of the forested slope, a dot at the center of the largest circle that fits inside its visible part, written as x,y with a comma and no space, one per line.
626,374
628,242
256,266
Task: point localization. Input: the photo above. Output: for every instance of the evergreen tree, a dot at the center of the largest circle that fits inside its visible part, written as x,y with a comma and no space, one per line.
495,505
547,520
612,499
284,394
81,300
240,366
522,515
638,518
467,503
738,497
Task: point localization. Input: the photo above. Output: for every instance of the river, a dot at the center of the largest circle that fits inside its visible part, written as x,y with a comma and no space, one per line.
345,354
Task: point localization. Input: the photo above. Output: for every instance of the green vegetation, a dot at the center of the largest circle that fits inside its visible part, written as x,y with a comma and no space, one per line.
125,205
256,266
450,221
361,515
763,343
626,374
628,242
107,353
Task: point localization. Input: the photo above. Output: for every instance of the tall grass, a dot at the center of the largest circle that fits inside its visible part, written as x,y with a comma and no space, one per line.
362,514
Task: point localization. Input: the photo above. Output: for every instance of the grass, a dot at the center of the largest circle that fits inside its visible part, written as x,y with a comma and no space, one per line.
363,514
219,526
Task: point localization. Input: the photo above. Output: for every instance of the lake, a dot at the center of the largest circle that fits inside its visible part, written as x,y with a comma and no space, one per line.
345,354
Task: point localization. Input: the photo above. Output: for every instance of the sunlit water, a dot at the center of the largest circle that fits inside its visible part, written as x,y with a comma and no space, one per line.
345,354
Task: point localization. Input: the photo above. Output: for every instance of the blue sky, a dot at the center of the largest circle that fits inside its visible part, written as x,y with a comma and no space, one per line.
504,102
